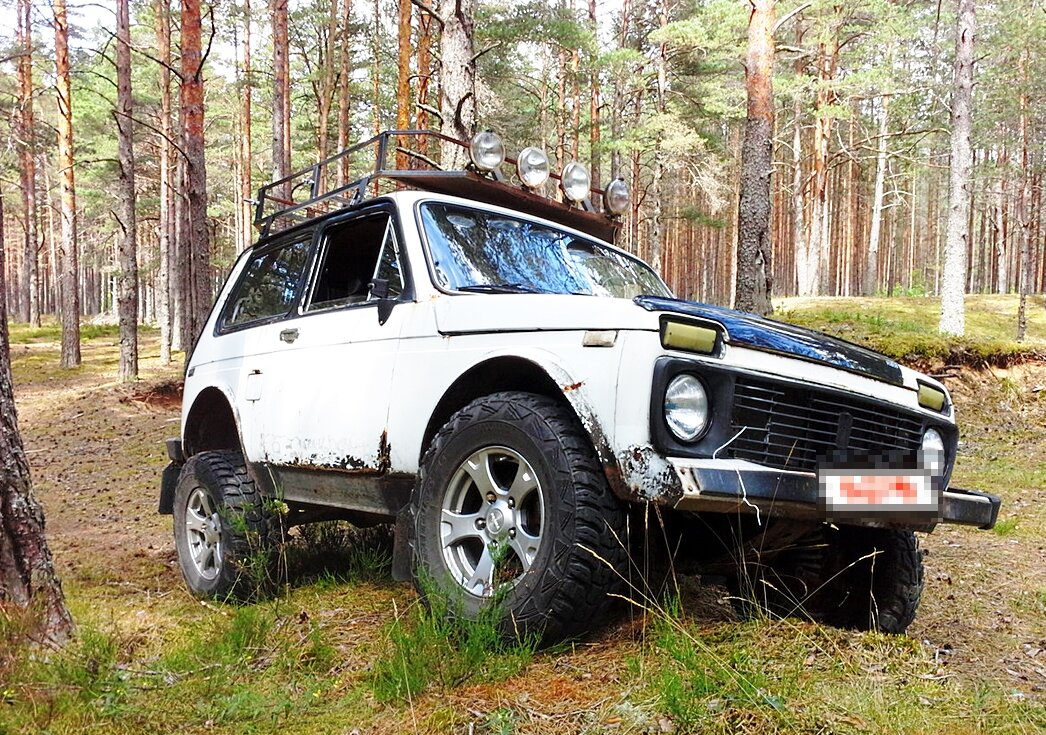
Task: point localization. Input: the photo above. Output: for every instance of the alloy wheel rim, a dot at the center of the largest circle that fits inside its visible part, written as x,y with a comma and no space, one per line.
491,520
204,533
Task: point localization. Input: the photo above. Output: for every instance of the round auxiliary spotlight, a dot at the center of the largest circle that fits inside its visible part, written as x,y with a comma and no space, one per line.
576,182
532,166
617,197
486,151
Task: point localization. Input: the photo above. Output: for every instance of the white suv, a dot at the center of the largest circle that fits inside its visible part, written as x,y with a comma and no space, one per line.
477,364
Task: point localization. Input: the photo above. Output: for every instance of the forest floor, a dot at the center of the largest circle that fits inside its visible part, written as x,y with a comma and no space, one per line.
344,649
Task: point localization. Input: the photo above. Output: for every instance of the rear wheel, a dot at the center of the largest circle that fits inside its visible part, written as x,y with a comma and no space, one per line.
224,533
513,506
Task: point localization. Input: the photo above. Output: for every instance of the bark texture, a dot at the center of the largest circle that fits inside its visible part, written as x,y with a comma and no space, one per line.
166,223
953,284
27,575
343,91
27,158
68,282
194,238
281,93
127,284
871,275
246,155
457,78
754,249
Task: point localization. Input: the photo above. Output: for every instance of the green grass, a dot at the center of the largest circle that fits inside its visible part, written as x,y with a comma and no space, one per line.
436,646
781,676
906,328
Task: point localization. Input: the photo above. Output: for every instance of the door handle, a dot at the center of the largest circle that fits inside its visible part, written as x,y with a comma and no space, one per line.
289,335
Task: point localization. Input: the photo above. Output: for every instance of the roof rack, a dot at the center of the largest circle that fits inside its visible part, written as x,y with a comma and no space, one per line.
363,171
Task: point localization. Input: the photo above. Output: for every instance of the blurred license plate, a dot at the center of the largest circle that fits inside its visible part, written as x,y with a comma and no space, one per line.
877,491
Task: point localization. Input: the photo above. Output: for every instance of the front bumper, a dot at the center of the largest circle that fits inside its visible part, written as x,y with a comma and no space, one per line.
728,485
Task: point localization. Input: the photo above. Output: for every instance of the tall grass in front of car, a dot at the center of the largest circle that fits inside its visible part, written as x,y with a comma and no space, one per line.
437,644
771,674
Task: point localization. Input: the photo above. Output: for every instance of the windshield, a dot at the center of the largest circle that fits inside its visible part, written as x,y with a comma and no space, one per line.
473,250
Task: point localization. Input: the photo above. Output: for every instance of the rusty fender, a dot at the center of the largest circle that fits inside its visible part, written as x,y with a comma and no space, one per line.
647,476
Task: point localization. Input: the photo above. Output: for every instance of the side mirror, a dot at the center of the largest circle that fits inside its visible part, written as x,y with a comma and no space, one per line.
379,288
379,291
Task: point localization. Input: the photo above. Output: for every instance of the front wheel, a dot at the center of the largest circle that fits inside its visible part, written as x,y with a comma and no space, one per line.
223,530
512,506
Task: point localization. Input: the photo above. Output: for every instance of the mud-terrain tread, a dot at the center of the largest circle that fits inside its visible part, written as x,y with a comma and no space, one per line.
573,594
225,473
882,593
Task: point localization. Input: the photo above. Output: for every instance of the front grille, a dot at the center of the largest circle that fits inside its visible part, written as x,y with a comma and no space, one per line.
792,428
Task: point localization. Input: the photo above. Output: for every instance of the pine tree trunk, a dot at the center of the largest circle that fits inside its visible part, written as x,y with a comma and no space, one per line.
953,317
818,267
27,172
281,95
754,249
424,76
70,271
457,79
162,11
27,575
343,91
195,235
246,153
326,91
594,103
1026,273
661,105
872,268
127,289
403,98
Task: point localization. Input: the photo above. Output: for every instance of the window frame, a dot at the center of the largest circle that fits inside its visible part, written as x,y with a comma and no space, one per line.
427,250
319,255
308,238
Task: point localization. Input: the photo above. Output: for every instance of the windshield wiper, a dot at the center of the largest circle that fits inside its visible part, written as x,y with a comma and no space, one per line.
500,288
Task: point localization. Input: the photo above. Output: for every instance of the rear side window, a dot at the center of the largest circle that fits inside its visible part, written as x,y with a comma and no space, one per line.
269,287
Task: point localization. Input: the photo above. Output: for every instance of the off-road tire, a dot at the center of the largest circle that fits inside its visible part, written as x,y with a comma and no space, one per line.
247,526
874,579
849,577
566,590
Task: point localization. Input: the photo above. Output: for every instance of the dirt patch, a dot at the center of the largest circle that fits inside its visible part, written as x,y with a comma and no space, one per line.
164,395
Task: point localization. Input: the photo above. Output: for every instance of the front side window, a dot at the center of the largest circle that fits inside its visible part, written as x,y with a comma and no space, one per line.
472,250
269,286
355,253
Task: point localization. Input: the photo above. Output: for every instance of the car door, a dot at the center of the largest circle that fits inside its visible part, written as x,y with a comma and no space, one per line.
268,289
327,390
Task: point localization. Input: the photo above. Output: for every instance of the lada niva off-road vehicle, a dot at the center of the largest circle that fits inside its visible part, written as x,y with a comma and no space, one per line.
454,352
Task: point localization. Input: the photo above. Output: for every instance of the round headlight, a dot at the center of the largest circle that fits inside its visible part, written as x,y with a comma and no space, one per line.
532,166
486,151
932,454
686,407
576,182
617,197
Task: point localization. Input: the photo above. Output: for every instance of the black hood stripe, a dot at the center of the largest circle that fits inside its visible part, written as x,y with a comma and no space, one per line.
785,339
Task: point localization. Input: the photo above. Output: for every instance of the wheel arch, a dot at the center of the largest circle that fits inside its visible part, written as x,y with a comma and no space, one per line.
533,373
211,424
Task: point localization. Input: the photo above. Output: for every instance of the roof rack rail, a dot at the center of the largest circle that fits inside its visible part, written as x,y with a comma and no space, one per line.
363,171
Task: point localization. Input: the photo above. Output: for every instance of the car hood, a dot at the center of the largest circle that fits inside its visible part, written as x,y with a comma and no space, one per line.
785,339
